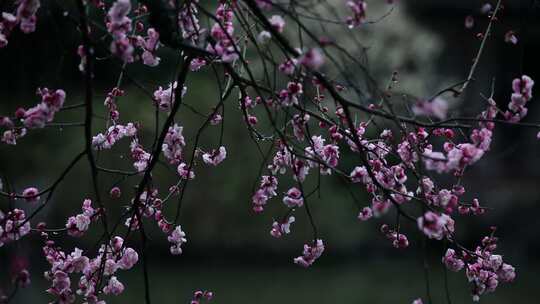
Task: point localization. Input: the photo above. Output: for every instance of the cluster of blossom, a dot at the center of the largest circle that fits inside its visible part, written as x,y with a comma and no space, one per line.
436,226
313,59
93,272
110,103
119,25
148,204
222,34
310,253
461,155
199,296
215,157
281,228
288,97
484,270
293,198
114,133
177,238
77,225
35,117
164,98
522,88
149,45
25,17
13,226
299,123
31,194
266,191
438,108
188,21
398,240
358,9
139,156
319,152
173,144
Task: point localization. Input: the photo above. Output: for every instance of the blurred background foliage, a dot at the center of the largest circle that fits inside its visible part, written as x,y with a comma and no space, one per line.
229,250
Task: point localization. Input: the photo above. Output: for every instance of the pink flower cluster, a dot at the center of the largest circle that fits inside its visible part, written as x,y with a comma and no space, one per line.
177,238
101,269
51,102
164,98
173,144
222,33
119,25
281,228
199,296
35,117
522,88
484,270
114,134
310,253
358,9
139,155
437,108
266,191
13,226
436,226
188,21
288,97
398,240
293,198
149,45
77,225
215,157
25,17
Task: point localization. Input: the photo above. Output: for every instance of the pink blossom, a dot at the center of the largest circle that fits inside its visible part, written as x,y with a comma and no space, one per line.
312,59
31,194
365,214
278,229
177,238
358,9
293,198
119,26
277,22
435,226
164,98
310,253
114,287
185,172
451,261
215,157
437,108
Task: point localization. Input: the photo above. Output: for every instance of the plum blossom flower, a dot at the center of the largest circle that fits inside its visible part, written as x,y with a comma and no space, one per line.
129,259
358,9
312,59
215,157
451,261
365,214
435,226
13,226
277,22
266,191
293,198
310,254
177,238
437,108
114,287
119,26
278,229
31,194
164,98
